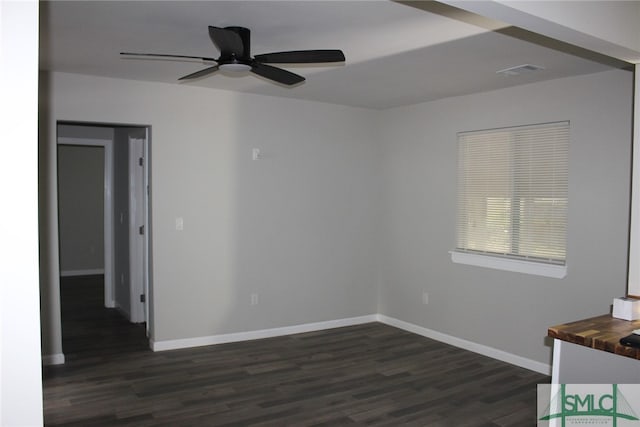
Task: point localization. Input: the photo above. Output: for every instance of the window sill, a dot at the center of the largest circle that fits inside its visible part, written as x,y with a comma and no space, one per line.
515,265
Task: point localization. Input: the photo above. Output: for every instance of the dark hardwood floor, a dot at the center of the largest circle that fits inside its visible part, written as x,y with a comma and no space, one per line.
369,374
88,329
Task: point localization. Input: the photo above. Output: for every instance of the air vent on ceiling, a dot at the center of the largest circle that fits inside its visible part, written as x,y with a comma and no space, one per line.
520,69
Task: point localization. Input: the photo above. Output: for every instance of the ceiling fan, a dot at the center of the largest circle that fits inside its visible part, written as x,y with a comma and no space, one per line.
234,45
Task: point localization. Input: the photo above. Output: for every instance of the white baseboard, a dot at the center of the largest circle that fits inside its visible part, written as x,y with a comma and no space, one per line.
92,272
318,326
263,333
53,359
494,353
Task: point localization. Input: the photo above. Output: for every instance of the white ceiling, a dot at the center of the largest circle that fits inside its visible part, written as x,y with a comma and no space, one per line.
396,54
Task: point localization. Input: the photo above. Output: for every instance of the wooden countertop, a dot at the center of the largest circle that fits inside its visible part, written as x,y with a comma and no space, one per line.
600,333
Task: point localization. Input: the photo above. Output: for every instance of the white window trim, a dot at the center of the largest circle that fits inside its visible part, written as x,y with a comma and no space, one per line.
508,264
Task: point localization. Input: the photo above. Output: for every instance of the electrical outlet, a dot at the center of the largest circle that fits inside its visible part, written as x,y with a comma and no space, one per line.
425,298
254,299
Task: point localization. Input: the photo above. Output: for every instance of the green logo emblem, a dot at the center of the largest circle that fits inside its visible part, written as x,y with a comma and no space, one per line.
583,408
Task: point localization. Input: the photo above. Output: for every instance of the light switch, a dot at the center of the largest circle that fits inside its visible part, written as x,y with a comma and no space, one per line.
179,224
256,154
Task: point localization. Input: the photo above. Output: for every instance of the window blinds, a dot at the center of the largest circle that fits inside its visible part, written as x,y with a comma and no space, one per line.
512,192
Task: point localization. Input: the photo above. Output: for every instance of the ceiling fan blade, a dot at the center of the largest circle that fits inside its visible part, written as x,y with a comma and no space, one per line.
200,73
276,74
228,42
165,55
302,56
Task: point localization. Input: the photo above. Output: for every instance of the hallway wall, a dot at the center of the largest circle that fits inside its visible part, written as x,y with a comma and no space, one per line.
81,209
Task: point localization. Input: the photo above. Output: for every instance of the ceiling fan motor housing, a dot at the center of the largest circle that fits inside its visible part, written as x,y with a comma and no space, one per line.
242,55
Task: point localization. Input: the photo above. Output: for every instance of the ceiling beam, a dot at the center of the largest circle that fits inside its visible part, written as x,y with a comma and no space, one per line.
606,27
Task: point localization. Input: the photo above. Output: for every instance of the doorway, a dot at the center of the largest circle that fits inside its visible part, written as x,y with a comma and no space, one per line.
122,259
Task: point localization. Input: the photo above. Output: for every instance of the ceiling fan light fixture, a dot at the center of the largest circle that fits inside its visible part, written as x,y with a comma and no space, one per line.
235,67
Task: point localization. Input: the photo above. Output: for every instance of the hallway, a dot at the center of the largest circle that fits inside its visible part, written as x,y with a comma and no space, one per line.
88,329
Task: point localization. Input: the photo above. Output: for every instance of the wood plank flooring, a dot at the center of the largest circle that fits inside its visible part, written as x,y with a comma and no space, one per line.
369,374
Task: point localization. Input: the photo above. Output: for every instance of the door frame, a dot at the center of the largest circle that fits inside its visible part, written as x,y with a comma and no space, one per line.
138,198
147,221
107,144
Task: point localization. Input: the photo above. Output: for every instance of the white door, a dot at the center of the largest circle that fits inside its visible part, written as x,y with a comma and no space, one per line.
137,230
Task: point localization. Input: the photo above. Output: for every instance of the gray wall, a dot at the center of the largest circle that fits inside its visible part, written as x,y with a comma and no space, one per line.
297,227
81,208
351,211
84,131
504,310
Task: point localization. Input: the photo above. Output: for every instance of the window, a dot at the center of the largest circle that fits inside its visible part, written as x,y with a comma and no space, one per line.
512,198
